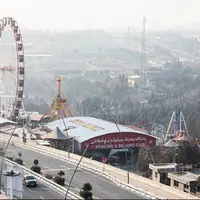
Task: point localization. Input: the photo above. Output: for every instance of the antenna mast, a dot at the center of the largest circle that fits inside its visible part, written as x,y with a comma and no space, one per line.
143,52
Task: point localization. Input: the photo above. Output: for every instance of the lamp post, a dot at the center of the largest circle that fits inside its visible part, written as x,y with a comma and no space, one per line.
11,174
2,163
126,157
67,129
77,168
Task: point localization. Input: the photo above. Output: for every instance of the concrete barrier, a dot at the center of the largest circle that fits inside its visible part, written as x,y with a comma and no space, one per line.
117,175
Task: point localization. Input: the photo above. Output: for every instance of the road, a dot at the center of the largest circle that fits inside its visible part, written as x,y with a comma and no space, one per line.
39,192
102,187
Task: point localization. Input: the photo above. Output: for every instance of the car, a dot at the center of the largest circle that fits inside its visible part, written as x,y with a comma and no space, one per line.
30,181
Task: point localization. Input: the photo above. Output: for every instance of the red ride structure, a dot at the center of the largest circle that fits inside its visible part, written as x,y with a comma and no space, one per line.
12,77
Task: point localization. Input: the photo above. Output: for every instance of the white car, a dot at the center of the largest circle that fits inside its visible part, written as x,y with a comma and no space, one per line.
30,181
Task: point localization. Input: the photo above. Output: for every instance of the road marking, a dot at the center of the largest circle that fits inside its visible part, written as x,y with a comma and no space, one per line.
65,167
16,150
46,167
48,170
29,189
95,175
41,197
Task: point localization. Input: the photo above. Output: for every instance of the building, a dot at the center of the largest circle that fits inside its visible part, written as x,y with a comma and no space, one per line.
160,172
184,181
6,126
173,175
102,135
3,196
133,80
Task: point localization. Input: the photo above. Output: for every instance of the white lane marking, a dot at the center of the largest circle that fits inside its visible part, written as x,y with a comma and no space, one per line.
16,150
29,189
50,170
41,197
95,175
66,167
46,167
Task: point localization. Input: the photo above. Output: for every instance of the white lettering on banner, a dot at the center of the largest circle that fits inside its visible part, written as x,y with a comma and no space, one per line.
110,146
119,140
104,146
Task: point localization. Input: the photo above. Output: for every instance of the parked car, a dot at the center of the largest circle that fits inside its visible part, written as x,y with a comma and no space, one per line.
30,181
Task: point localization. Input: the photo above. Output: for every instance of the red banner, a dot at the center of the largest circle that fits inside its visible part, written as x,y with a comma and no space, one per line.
119,140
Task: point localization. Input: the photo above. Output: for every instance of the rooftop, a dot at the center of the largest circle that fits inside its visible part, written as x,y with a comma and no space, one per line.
84,128
3,120
183,177
163,165
2,196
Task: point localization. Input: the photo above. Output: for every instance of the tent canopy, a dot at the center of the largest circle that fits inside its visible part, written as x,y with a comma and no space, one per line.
56,134
170,143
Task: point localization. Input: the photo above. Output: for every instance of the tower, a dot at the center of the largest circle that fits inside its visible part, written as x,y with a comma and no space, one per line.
143,52
58,108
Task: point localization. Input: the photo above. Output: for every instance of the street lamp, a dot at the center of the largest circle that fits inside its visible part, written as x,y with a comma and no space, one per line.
4,155
67,129
88,145
126,157
11,174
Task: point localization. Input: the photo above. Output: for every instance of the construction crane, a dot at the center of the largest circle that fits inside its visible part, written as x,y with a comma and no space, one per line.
58,109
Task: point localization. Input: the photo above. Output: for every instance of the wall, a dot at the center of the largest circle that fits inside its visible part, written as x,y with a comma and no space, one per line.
180,185
154,178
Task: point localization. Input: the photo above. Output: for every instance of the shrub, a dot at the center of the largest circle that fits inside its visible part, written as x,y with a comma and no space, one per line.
49,176
61,173
59,180
19,161
86,191
36,169
87,187
86,194
20,154
10,158
35,162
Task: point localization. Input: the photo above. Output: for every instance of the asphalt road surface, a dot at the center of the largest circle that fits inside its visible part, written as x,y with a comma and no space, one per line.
102,187
39,192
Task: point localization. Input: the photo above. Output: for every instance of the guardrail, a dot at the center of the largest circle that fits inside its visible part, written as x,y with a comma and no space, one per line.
54,186
145,193
116,175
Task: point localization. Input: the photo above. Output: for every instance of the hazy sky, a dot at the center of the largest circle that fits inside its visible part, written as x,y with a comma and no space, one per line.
84,14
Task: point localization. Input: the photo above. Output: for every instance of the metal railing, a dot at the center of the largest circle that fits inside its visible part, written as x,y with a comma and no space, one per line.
49,183
96,171
84,166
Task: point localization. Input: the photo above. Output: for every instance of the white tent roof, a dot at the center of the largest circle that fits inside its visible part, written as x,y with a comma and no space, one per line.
170,143
3,120
84,128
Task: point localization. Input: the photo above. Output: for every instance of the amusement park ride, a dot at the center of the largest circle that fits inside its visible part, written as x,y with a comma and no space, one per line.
11,76
58,108
177,132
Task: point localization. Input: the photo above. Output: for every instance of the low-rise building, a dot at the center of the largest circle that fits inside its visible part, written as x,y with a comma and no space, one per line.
173,174
160,171
184,181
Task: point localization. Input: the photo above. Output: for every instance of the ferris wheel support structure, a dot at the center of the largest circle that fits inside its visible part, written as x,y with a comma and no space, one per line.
12,77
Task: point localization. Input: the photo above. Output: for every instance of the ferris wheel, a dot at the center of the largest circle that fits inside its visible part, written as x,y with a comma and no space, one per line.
11,68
